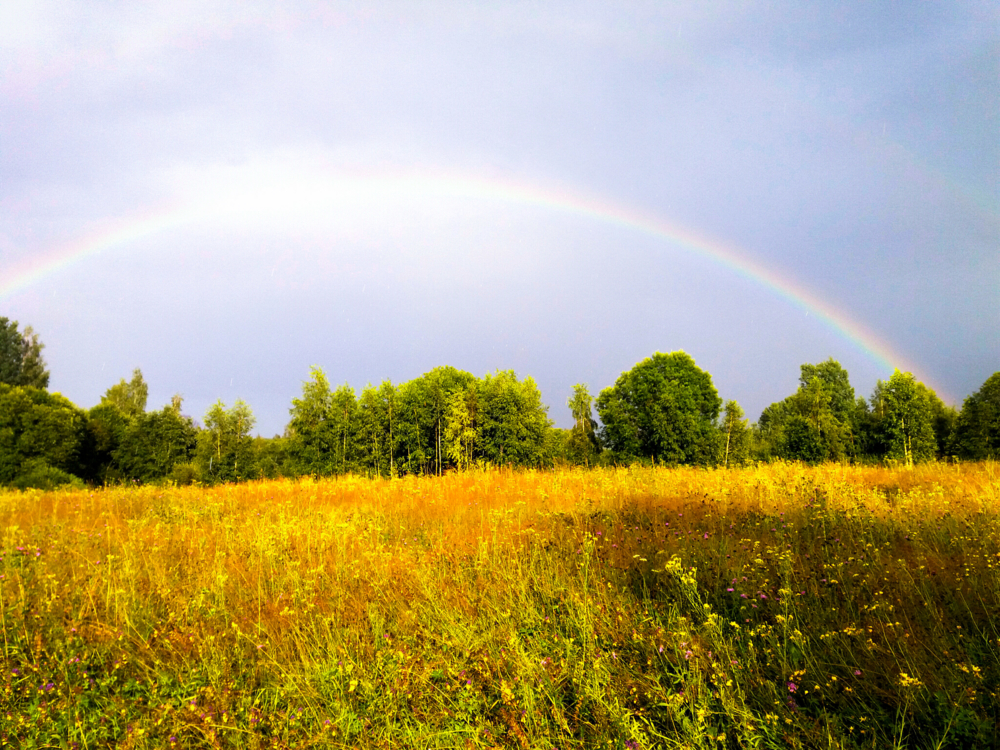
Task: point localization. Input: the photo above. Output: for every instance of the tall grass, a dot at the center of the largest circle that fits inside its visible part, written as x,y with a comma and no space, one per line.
781,606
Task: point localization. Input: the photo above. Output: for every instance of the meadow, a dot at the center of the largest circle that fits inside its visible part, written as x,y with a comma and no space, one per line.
781,606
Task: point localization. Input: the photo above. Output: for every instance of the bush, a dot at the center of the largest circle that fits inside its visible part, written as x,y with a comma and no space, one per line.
184,474
39,475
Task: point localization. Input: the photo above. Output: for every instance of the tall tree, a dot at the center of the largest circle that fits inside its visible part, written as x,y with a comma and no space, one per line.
905,417
514,423
225,450
836,383
376,416
735,441
153,443
813,424
583,445
665,408
11,352
33,371
39,432
130,397
977,434
463,426
313,440
423,409
21,361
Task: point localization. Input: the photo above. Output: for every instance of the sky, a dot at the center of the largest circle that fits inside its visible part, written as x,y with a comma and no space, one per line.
227,194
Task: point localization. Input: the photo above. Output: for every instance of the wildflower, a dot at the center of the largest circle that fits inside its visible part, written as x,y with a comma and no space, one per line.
792,687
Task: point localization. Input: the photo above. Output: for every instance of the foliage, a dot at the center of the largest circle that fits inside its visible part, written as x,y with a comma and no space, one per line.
583,445
977,433
514,422
183,474
225,451
779,606
424,405
734,442
38,429
463,426
21,361
444,419
272,457
319,429
37,474
128,397
153,443
664,409
106,428
903,409
815,423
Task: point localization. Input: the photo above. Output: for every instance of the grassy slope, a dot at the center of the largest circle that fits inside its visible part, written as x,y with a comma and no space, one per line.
782,606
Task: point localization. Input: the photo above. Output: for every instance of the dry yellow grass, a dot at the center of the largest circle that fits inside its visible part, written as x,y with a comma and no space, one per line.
655,607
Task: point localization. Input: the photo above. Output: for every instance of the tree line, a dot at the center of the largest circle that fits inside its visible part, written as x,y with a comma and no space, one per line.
664,410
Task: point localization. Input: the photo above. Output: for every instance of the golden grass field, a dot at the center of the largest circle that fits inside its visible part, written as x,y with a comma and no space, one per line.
778,606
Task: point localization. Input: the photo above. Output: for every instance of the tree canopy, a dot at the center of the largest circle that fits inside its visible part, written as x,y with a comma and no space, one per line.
977,432
816,422
665,409
21,361
225,448
41,433
128,397
583,445
905,417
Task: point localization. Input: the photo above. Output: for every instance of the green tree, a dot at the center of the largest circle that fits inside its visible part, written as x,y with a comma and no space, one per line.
129,397
153,443
582,446
423,405
225,449
905,418
375,432
313,437
11,352
836,384
463,426
734,443
513,422
272,457
33,371
977,433
944,420
21,361
41,434
106,428
815,423
665,408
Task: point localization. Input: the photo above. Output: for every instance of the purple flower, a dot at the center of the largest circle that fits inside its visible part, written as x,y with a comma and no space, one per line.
792,687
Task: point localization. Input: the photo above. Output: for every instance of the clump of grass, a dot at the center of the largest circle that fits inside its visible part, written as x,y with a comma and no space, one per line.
780,606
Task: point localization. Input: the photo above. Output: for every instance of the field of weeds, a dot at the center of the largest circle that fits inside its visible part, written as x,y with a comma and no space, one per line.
781,606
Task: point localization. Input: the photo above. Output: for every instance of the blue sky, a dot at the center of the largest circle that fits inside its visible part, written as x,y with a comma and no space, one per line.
380,188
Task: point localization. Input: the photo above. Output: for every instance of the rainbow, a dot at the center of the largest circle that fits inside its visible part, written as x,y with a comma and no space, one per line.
130,230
